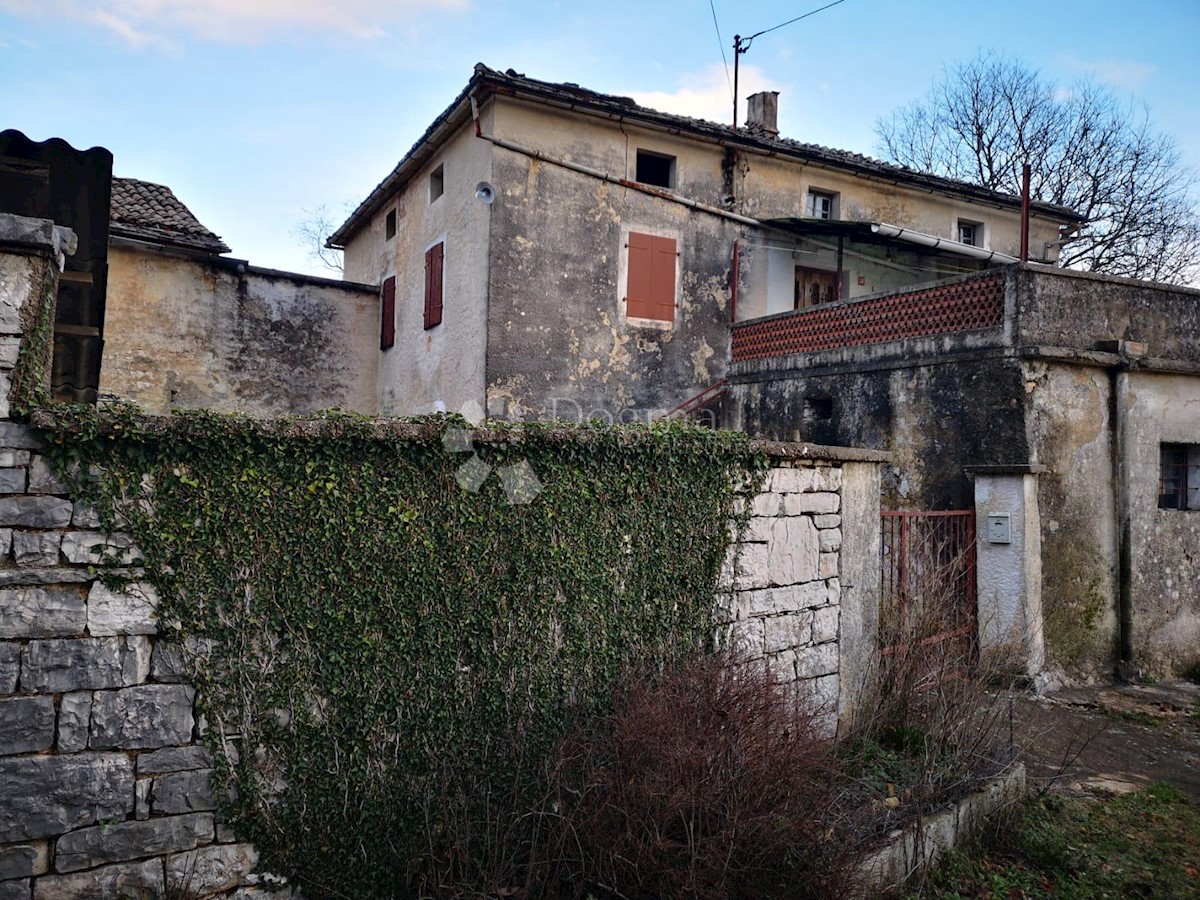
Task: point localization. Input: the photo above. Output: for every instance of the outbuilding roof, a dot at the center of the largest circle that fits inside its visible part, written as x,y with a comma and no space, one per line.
572,96
151,212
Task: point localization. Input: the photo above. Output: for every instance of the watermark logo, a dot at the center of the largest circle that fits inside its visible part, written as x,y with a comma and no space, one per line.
518,479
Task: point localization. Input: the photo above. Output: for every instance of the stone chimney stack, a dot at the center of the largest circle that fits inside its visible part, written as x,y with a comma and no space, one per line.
762,112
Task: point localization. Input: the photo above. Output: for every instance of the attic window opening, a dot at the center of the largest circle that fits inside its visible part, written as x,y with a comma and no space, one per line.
656,169
1179,476
822,205
970,233
818,409
437,183
389,226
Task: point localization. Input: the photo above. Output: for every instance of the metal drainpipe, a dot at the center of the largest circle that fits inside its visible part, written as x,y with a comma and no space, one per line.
736,275
1118,377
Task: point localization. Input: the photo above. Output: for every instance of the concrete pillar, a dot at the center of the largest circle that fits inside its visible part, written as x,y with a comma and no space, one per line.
1008,542
858,644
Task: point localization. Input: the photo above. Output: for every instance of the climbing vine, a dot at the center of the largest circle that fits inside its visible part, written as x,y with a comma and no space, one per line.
384,656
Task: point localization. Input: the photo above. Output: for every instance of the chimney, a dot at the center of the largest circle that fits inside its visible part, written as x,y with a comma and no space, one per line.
762,112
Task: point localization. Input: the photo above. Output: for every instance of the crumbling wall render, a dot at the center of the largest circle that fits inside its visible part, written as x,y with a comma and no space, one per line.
559,342
186,333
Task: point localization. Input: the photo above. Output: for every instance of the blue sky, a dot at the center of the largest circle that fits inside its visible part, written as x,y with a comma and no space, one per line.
255,111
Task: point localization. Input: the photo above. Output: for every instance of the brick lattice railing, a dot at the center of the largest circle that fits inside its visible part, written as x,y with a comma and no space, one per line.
944,309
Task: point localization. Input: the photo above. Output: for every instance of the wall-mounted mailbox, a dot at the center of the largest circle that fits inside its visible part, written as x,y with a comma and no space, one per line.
999,528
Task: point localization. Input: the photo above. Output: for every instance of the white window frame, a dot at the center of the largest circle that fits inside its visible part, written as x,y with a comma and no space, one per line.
815,195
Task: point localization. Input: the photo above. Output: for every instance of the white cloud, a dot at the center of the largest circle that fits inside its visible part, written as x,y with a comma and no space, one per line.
707,94
143,22
1115,72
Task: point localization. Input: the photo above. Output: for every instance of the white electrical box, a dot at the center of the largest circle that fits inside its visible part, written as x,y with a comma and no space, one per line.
999,528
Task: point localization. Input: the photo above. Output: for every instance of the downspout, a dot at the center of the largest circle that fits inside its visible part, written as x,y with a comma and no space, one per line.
1118,380
604,176
736,276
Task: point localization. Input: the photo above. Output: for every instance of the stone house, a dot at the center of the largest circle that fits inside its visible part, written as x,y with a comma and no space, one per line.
1063,407
549,251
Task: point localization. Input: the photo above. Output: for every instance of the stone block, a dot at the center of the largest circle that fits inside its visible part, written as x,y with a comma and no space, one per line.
18,437
830,540
90,547
16,890
142,718
168,664
36,548
45,796
123,881
90,847
26,724
35,612
815,661
792,555
781,600
782,666
767,504
746,638
10,666
787,632
825,624
183,792
24,860
10,349
42,479
829,478
141,798
54,575
12,481
793,481
174,759
129,611
827,521
55,666
828,567
752,568
811,504
83,516
821,692
35,512
758,529
10,459
212,869
74,719
834,586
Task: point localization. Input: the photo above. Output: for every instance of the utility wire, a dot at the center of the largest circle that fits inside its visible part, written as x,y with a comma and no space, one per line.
747,41
721,44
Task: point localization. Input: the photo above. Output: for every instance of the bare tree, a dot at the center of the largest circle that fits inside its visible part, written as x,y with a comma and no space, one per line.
1089,151
312,231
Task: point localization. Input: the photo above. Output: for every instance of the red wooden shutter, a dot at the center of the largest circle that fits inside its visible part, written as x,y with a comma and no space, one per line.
638,292
650,292
662,280
387,322
434,258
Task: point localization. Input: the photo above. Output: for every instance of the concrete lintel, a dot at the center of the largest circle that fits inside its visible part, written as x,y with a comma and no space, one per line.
1008,469
792,450
39,235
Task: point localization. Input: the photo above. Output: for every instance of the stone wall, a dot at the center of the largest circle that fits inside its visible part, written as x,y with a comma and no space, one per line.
785,585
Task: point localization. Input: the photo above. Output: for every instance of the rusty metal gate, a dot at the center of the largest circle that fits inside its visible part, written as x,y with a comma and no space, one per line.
928,619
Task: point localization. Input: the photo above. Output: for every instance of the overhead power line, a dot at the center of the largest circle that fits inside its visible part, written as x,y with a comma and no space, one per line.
721,44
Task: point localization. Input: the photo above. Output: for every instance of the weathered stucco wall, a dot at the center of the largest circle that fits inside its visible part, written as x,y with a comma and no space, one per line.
560,344
185,332
1164,543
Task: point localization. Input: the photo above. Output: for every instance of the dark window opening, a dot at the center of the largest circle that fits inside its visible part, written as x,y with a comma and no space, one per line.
389,226
1179,476
655,169
437,183
387,314
818,408
821,205
970,233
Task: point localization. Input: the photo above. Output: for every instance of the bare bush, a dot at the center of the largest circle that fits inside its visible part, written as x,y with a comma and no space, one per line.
709,781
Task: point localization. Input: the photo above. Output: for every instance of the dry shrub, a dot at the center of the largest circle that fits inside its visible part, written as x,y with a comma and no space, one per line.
709,781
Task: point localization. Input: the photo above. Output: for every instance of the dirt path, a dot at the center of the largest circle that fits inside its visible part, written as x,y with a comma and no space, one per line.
1111,739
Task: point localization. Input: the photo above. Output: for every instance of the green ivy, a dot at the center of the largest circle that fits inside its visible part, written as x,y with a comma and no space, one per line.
398,651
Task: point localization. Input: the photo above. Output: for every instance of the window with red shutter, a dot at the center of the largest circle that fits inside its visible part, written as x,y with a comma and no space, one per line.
650,291
434,264
387,313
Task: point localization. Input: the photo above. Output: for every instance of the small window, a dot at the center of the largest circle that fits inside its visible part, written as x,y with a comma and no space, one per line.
437,183
435,260
656,169
650,292
818,409
389,226
1179,476
387,314
822,205
970,233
